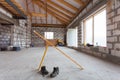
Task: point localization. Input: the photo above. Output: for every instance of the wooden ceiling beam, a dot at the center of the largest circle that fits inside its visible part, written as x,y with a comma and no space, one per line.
59,13
61,8
1,6
80,10
20,6
7,6
61,19
80,2
68,5
48,25
56,11
17,7
37,14
64,20
27,10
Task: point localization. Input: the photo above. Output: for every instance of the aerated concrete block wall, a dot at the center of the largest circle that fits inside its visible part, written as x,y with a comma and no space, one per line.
16,35
112,51
79,35
28,32
21,34
113,27
59,33
5,35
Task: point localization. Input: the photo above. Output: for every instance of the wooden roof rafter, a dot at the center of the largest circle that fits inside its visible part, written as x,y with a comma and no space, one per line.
81,9
57,11
15,8
8,7
64,21
18,6
61,8
40,17
80,2
2,6
60,18
27,10
49,25
33,14
68,5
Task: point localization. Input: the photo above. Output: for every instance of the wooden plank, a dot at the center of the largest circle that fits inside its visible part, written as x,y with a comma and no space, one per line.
57,11
37,14
1,6
48,25
60,18
19,6
61,8
8,7
68,5
83,7
80,2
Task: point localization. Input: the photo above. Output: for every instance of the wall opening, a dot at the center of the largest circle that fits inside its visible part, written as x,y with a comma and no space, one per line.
94,29
72,37
49,35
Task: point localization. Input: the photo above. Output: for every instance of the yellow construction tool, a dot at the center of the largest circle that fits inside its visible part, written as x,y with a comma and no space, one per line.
81,68
43,57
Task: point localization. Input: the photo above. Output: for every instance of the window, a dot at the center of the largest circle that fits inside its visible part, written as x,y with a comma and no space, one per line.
94,29
49,35
89,31
100,29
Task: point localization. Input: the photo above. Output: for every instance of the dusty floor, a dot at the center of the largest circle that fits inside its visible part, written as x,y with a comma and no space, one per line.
23,65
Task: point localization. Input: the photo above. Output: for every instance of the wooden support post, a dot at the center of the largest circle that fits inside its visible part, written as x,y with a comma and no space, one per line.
93,30
81,68
84,33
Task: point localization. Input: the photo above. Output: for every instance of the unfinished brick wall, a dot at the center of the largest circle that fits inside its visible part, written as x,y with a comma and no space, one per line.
21,34
28,33
79,35
59,33
112,51
5,35
113,27
113,31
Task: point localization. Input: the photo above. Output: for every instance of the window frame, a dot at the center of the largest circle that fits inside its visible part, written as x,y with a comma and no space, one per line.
84,25
47,34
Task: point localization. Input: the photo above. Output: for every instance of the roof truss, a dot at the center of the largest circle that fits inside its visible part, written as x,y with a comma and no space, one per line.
60,18
68,5
55,10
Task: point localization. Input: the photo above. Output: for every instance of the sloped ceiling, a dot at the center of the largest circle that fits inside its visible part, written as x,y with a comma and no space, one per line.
48,12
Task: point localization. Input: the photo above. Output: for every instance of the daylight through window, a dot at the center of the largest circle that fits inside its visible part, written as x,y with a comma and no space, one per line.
94,29
49,35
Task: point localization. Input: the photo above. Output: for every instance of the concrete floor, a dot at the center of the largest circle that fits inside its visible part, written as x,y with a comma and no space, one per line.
22,65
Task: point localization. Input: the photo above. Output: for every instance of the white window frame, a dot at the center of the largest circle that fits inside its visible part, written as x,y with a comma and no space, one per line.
84,26
49,35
